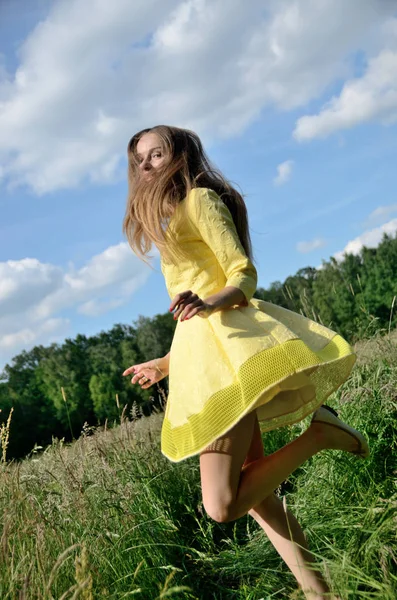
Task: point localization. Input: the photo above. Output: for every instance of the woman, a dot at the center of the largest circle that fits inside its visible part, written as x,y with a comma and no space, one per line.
234,360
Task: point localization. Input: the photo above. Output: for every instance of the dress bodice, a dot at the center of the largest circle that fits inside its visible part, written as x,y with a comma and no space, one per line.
215,257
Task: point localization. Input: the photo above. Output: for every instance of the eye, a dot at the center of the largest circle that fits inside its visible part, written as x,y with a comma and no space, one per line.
156,155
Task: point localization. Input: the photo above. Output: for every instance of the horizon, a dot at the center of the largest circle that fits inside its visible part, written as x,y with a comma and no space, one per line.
297,104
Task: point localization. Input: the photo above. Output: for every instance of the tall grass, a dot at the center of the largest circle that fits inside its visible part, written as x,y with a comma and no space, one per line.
5,435
109,517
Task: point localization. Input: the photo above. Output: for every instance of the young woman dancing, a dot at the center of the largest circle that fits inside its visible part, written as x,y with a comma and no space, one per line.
234,360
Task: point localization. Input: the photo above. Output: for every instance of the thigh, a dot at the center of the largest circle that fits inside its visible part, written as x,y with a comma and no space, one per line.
256,449
221,464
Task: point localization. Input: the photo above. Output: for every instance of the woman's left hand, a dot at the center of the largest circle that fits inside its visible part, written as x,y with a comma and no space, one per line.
188,304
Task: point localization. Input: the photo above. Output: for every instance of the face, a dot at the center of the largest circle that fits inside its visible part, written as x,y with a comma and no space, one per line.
150,153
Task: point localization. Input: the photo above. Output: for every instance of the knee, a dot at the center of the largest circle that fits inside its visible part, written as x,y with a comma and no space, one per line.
221,512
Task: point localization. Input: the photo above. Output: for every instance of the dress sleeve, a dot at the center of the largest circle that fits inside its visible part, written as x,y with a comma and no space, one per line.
216,228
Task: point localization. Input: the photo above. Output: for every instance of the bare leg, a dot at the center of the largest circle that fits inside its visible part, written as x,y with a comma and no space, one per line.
288,539
230,491
285,533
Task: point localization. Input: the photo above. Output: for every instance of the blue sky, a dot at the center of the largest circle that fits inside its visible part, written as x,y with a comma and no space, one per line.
296,104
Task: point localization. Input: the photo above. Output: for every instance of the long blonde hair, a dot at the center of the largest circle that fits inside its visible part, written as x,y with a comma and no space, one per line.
151,204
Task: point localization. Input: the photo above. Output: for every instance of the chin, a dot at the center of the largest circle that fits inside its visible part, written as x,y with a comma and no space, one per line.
147,177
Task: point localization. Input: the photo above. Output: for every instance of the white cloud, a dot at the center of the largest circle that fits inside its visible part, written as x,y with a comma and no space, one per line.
25,283
47,332
284,171
33,294
379,214
93,72
112,277
370,97
305,247
94,308
370,239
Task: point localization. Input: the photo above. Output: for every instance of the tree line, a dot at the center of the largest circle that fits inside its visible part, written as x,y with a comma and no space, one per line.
56,391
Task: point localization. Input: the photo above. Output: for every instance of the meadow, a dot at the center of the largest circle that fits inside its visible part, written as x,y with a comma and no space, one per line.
109,517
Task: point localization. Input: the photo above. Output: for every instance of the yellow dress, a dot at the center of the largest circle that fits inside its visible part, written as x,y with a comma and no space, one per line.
254,357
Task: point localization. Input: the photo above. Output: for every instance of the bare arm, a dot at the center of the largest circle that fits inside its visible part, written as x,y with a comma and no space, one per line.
226,298
163,363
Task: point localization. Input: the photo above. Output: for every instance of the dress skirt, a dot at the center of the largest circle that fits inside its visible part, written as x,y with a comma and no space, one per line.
261,357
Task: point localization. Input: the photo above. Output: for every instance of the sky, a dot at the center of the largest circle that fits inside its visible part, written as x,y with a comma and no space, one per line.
295,101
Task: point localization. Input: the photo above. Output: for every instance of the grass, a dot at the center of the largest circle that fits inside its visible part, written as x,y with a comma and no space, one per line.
109,517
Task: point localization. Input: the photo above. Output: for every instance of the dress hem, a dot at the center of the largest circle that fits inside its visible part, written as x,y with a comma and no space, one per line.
229,405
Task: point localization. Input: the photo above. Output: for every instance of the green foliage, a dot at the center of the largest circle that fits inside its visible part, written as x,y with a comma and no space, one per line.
108,516
355,296
55,390
34,417
102,392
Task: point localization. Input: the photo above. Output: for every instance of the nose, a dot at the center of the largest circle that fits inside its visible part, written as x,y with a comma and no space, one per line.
145,165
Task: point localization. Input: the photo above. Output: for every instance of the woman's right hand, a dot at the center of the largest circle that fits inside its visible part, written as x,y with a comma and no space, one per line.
148,373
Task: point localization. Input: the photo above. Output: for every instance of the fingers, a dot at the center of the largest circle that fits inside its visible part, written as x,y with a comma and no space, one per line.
191,309
145,384
186,306
179,298
129,370
143,380
144,374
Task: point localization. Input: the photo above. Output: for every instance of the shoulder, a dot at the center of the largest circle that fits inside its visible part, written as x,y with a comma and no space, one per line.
200,193
205,208
201,198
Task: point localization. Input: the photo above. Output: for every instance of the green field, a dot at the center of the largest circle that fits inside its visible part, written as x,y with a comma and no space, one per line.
109,517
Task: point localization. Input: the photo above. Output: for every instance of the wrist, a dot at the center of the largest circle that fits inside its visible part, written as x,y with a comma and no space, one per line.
162,364
226,298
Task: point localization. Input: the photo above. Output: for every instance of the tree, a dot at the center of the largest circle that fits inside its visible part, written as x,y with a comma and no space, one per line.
58,388
65,376
154,336
34,419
